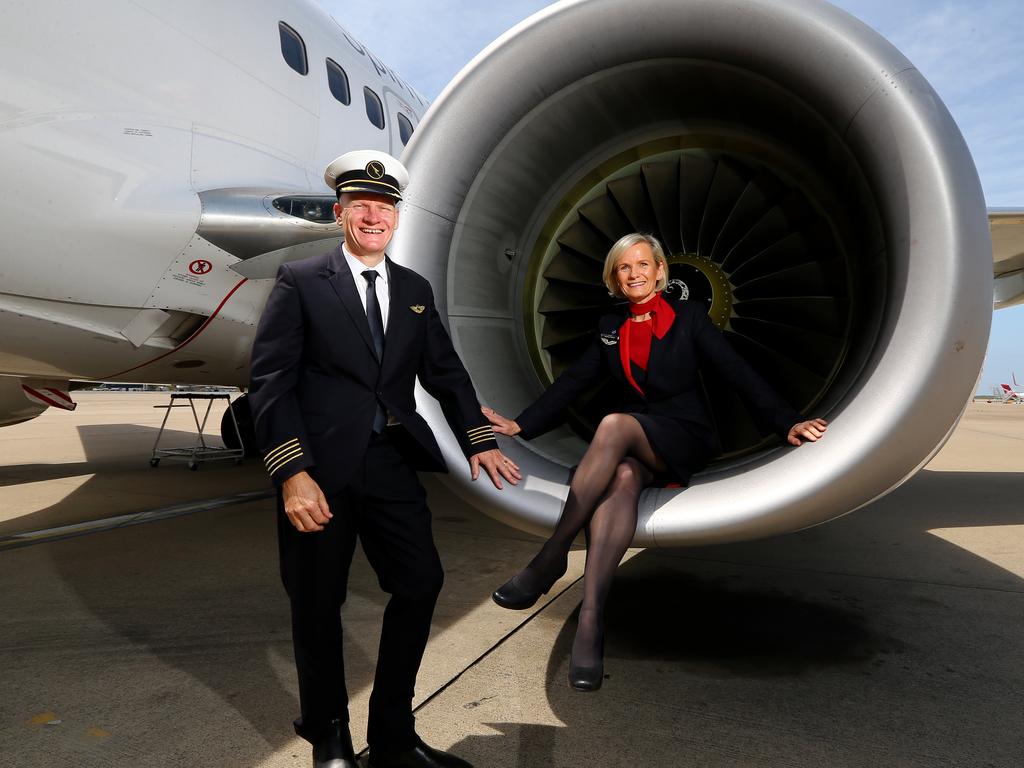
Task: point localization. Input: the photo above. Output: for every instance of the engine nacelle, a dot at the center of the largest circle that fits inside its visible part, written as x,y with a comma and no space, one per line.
23,399
812,190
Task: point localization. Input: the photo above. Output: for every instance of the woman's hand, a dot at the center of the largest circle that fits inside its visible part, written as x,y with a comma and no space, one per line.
500,424
809,430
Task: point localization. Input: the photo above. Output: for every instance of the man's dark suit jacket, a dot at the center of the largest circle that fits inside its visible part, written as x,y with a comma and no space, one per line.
316,377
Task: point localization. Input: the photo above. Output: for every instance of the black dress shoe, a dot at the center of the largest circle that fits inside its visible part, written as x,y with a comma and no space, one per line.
525,588
334,748
418,756
586,678
516,598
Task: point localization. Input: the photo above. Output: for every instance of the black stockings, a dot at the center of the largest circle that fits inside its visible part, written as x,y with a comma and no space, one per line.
602,499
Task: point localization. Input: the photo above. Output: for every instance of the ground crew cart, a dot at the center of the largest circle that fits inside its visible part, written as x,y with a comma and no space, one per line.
200,451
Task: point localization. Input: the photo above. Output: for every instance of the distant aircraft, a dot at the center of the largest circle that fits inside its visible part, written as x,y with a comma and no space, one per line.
162,160
1009,394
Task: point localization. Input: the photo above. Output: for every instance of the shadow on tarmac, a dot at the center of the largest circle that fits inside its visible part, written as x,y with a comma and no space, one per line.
865,642
855,643
117,455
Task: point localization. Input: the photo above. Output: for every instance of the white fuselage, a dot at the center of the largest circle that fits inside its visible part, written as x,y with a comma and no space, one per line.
115,117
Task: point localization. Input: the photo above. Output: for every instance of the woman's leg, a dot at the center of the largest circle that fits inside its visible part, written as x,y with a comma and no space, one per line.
609,534
618,436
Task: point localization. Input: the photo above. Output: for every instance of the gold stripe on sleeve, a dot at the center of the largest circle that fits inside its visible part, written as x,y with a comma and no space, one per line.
284,459
287,446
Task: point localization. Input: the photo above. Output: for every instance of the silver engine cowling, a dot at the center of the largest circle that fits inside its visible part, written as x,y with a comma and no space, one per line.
812,190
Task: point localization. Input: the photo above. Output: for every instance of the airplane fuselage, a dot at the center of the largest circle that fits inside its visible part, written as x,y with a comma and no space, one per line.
122,142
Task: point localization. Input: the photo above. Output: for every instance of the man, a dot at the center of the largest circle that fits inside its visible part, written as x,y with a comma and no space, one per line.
336,356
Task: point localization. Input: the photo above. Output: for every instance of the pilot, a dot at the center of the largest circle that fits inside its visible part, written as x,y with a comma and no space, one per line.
342,340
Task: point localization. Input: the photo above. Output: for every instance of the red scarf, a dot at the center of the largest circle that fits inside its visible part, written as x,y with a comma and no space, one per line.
662,316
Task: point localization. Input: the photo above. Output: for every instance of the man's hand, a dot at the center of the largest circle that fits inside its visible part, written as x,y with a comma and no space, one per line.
304,503
809,430
497,465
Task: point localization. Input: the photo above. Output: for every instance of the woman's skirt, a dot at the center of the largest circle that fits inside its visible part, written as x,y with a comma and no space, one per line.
684,446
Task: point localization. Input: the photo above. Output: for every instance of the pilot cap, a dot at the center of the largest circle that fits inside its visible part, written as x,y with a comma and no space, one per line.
367,170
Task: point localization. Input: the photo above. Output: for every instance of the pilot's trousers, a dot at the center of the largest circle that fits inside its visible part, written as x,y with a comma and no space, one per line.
384,506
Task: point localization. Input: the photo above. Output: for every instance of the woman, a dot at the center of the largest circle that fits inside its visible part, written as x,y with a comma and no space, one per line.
664,431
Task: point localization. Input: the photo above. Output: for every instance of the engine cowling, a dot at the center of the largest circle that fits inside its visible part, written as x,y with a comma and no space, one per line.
22,399
812,190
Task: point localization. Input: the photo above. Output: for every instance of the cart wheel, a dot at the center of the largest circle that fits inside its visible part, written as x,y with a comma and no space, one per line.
154,462
193,466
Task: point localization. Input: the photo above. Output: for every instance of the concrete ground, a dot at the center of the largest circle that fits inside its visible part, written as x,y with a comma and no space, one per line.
892,637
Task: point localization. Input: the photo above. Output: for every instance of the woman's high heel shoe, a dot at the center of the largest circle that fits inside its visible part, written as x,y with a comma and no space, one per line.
588,677
526,587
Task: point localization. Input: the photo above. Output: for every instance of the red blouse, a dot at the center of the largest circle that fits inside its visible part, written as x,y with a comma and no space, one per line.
636,337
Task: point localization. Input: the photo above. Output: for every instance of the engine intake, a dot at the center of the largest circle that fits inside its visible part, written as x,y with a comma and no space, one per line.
811,189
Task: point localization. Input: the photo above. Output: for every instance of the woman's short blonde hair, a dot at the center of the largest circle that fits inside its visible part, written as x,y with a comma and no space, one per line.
622,245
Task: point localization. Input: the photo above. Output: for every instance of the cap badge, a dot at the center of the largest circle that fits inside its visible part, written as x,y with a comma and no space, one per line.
375,169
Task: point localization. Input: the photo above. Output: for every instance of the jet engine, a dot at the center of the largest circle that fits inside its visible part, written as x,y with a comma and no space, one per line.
22,399
812,191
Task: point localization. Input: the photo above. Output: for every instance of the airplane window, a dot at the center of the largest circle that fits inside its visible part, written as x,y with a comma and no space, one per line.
374,108
338,82
311,208
404,129
293,49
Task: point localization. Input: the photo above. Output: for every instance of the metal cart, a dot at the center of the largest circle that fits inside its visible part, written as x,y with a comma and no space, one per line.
200,451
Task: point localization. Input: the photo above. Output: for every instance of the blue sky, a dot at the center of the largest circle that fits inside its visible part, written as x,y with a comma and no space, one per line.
972,52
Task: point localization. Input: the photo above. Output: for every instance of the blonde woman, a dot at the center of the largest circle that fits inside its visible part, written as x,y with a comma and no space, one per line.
654,350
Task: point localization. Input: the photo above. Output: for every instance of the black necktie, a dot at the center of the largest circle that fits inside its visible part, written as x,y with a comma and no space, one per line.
376,321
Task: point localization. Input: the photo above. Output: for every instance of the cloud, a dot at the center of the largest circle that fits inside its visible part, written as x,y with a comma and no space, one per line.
428,48
969,50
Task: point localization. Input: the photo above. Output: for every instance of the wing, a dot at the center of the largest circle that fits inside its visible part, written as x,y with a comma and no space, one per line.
1007,227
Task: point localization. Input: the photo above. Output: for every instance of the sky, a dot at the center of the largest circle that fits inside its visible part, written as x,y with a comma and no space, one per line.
971,51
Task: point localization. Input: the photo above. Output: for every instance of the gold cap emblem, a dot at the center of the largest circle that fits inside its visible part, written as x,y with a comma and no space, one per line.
375,169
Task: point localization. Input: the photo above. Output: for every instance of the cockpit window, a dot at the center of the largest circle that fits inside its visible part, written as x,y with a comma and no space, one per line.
338,82
374,108
316,208
405,128
293,49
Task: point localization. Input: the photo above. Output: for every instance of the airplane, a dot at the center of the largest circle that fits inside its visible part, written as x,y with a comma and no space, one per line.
1010,394
144,159
813,192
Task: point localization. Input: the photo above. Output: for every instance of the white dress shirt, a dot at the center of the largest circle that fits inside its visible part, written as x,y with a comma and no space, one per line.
382,290
381,284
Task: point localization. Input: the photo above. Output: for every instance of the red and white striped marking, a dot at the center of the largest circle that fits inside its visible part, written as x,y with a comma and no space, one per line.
50,396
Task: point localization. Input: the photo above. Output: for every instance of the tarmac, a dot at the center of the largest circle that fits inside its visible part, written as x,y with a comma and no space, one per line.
891,637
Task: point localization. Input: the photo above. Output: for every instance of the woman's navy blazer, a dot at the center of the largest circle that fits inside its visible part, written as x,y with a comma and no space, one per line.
672,399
